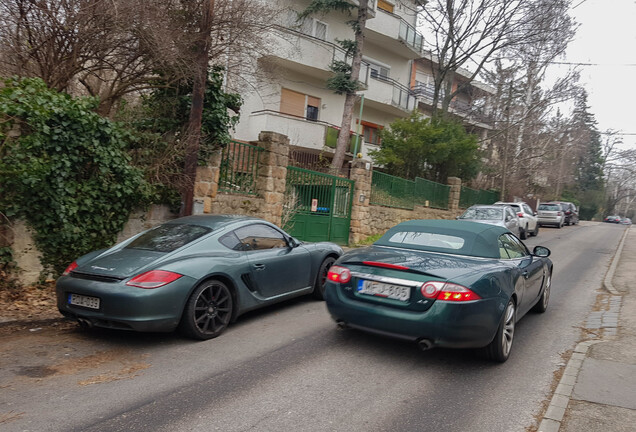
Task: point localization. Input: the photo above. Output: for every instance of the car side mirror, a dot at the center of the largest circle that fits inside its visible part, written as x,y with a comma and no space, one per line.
292,243
534,213
541,251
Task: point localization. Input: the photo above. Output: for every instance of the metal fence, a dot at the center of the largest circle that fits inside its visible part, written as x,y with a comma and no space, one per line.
432,194
470,197
391,191
239,168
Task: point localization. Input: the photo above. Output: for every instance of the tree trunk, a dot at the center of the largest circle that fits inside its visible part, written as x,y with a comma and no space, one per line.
350,98
193,135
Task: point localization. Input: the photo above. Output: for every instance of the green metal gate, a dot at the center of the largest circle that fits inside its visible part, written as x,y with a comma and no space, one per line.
317,206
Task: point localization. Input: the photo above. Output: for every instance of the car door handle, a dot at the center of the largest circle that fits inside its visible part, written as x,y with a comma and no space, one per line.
259,266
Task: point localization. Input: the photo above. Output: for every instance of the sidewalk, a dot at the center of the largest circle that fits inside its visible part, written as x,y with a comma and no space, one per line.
597,392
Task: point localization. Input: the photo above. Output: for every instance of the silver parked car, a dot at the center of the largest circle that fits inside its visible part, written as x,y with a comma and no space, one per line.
528,220
495,215
551,214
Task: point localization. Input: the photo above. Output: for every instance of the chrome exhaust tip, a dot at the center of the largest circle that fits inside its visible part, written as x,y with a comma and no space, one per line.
84,323
341,325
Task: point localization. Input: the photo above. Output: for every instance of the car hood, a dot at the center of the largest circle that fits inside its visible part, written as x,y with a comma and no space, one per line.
444,266
119,264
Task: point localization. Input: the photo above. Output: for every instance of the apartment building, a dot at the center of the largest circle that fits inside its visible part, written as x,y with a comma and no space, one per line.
292,98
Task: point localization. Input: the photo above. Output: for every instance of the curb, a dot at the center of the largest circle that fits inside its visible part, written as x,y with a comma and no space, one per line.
32,323
607,282
553,416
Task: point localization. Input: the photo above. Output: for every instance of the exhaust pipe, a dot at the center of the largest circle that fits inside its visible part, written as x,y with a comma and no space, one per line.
84,323
425,344
341,325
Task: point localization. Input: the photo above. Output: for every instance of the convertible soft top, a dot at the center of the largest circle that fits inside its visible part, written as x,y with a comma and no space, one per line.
478,239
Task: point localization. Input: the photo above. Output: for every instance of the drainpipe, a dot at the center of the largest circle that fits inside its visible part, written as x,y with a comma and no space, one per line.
355,153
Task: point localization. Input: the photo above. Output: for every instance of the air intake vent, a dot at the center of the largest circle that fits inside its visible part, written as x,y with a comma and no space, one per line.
247,280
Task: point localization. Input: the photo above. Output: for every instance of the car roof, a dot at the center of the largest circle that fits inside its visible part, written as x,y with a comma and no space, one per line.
213,221
480,239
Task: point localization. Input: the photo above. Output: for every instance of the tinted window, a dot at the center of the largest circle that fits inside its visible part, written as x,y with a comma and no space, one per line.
258,237
168,237
230,240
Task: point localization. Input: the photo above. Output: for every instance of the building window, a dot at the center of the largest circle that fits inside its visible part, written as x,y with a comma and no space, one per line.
371,133
378,71
299,104
385,5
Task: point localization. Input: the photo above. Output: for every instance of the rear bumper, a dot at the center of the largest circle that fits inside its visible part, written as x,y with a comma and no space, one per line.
444,324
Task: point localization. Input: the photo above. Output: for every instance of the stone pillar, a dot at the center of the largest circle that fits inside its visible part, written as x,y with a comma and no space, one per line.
455,184
207,184
272,174
361,173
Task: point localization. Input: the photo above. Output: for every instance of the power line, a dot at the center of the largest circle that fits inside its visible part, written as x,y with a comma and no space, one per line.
593,64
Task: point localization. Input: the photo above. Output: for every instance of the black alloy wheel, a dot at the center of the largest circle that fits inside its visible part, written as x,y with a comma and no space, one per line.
321,278
208,311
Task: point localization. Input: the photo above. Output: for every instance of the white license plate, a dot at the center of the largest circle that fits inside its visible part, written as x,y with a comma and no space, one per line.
380,289
85,301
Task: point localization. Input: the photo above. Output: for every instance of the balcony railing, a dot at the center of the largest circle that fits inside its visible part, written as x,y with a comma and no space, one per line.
464,109
401,96
412,37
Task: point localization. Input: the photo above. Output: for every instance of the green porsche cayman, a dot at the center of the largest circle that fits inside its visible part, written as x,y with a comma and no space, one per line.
441,283
198,273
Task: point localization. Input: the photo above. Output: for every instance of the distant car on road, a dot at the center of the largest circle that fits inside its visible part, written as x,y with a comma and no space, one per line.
448,283
528,220
626,221
501,215
570,213
197,273
551,213
613,219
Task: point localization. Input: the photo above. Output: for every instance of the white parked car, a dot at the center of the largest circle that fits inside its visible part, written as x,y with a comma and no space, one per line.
503,216
528,221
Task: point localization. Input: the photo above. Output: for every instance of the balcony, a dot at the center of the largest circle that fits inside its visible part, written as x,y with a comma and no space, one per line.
468,112
301,132
308,54
386,29
386,91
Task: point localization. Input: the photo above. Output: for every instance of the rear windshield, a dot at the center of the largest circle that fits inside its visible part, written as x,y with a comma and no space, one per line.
168,237
483,214
426,240
549,207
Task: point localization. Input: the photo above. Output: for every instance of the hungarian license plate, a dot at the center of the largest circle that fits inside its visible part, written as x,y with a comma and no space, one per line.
84,301
380,289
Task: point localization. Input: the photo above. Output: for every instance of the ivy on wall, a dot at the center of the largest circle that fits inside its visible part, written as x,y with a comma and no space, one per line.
65,170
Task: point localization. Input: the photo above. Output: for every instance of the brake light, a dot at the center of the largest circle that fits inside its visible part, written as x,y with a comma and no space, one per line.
72,266
384,265
520,214
558,213
339,274
447,292
153,279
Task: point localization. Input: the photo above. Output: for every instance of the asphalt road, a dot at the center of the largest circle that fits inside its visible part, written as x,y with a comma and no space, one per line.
287,368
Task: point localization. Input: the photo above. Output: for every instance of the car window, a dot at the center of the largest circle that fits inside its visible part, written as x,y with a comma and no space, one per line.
512,247
231,241
427,239
527,209
482,214
168,237
549,207
515,207
259,237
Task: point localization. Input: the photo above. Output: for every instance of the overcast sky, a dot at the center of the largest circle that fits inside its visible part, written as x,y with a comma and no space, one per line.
607,37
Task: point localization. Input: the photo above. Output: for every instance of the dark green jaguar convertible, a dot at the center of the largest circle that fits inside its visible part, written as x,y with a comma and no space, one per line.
441,283
198,273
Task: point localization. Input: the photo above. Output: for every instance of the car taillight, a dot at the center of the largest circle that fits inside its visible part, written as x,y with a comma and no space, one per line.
70,268
520,214
153,279
339,274
558,213
447,292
